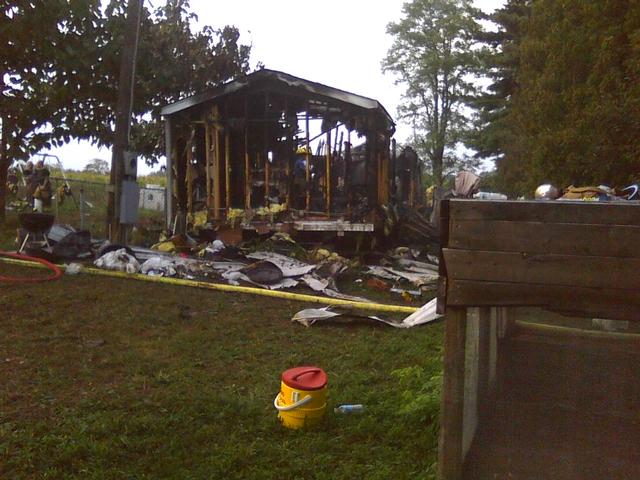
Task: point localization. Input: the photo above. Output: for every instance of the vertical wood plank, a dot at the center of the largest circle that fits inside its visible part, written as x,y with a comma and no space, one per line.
265,150
328,172
267,174
216,165
484,353
308,161
189,172
248,184
207,161
506,321
470,417
227,169
347,171
289,157
443,222
452,412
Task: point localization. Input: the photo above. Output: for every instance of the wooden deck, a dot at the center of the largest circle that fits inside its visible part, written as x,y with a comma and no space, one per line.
566,408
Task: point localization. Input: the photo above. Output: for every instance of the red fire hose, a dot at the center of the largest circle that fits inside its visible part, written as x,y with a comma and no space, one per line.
57,271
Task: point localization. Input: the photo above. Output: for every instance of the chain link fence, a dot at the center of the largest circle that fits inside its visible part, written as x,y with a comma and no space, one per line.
83,205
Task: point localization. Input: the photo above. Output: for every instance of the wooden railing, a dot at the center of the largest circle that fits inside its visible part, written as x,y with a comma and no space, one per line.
577,258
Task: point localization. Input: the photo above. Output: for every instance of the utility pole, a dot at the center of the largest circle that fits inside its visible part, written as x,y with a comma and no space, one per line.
123,118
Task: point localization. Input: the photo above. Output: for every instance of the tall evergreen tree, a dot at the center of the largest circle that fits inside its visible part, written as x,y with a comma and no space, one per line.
433,58
500,59
574,118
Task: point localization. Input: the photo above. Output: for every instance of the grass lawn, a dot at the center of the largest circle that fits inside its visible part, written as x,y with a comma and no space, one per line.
111,379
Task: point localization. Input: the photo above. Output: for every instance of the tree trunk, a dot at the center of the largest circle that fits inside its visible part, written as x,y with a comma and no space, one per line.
437,161
5,161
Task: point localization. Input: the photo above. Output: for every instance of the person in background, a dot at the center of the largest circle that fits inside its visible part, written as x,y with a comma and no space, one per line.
12,181
40,184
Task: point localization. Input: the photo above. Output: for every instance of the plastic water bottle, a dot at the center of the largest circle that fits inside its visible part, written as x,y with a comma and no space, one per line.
357,408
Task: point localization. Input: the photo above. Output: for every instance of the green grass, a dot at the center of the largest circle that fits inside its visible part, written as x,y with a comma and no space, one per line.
108,378
8,232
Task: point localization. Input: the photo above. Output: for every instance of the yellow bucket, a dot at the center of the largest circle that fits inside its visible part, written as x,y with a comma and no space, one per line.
302,400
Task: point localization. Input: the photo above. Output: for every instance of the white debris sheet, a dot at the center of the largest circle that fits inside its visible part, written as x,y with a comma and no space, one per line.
172,266
425,314
418,277
159,266
118,260
318,284
290,266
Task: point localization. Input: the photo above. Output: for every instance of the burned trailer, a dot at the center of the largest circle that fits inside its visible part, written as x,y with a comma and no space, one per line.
271,151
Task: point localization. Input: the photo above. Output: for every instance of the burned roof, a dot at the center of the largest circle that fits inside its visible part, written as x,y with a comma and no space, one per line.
268,77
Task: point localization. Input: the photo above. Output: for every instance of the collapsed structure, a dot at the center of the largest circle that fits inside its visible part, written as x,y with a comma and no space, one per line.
271,143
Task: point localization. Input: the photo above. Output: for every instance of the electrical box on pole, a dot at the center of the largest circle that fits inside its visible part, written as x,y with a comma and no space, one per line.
121,162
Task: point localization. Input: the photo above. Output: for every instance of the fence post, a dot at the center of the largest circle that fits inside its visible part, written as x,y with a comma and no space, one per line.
81,208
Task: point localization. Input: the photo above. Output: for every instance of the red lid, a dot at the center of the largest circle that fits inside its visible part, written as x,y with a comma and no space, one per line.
305,378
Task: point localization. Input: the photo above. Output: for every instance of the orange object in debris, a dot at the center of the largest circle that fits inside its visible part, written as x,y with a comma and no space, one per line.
377,284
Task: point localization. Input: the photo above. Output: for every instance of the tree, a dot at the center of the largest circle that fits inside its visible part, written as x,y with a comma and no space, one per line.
97,165
574,116
174,61
433,56
500,60
46,48
61,62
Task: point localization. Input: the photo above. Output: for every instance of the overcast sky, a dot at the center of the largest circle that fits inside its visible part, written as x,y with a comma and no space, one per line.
336,42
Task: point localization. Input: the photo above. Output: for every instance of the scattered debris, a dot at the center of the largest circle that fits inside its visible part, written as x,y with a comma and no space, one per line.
610,325
355,408
407,295
180,243
426,314
98,342
466,184
277,262
416,266
290,267
264,272
379,285
74,245
382,273
158,266
73,269
118,260
418,279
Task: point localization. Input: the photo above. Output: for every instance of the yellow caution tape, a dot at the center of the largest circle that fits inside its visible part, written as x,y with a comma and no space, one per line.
374,307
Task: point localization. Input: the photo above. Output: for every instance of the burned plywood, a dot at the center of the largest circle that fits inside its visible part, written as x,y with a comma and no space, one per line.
270,143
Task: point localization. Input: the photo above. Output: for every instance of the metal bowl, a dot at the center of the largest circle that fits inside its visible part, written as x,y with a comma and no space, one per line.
546,192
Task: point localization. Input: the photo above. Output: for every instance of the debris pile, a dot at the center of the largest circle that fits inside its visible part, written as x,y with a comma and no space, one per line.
275,263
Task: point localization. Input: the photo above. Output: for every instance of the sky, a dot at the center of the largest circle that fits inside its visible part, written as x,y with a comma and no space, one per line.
340,43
